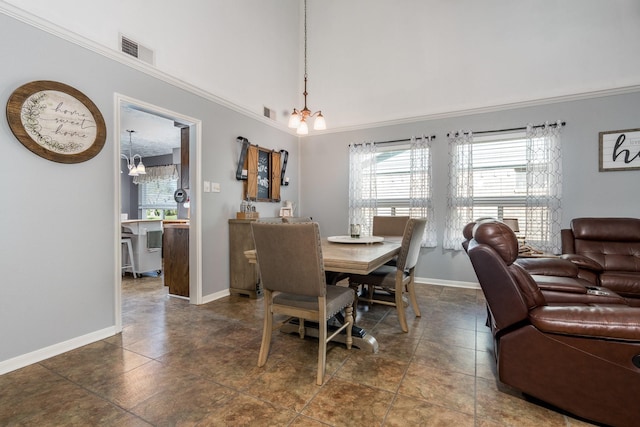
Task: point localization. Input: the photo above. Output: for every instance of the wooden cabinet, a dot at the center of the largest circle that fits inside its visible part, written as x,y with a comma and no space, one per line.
175,243
244,278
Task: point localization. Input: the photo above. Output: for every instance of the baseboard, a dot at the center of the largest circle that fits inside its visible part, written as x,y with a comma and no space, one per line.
450,283
54,350
214,296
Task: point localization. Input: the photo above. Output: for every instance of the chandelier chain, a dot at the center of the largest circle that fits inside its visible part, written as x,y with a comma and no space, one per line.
305,38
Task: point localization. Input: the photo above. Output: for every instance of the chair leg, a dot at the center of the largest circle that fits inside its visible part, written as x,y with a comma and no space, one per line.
402,317
322,339
301,331
411,288
267,329
322,350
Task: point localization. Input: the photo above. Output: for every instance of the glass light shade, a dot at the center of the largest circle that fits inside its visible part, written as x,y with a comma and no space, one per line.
133,170
294,119
319,123
303,129
141,169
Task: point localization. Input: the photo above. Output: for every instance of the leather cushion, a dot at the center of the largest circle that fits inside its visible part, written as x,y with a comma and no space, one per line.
549,266
607,229
623,282
606,321
500,237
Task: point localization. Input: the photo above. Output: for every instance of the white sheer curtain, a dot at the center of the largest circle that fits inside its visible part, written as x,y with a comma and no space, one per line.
420,201
544,187
460,189
362,185
156,173
363,191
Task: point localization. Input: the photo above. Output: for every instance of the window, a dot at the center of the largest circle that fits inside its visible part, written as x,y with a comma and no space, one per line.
391,180
156,198
507,176
499,178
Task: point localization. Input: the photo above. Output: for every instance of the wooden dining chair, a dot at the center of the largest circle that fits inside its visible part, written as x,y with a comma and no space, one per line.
291,268
389,225
389,283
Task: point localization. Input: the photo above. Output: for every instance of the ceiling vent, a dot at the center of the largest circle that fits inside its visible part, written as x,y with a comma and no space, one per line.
136,50
269,113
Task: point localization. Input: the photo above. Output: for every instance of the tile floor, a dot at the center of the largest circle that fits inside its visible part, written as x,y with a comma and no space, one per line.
177,364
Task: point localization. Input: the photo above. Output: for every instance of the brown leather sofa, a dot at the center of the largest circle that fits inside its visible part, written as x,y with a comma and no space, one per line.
583,358
558,278
606,252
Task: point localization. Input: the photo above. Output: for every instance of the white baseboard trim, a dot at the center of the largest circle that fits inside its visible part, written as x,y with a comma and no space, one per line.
215,296
450,283
54,350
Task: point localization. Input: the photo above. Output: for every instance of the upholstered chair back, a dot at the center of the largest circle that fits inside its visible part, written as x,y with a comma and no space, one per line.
410,249
306,275
389,225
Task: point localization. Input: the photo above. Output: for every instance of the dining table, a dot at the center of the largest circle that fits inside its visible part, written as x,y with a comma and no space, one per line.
341,256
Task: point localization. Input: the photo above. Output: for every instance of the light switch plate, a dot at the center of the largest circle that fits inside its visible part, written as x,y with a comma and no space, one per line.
207,187
215,187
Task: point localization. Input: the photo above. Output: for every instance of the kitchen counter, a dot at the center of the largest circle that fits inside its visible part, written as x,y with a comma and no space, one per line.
146,240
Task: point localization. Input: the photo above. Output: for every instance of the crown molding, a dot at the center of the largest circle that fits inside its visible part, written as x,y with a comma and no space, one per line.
490,108
77,39
150,70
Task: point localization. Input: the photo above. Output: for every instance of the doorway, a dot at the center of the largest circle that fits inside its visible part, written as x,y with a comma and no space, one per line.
186,127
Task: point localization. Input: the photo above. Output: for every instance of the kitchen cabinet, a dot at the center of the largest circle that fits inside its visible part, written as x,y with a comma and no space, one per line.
244,278
175,244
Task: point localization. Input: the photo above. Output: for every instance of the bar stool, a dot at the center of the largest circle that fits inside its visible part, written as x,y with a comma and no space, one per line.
126,245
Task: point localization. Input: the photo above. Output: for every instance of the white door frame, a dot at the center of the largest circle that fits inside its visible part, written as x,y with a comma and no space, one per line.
195,192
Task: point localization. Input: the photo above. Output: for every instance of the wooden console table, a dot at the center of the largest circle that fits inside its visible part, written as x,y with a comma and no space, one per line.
243,277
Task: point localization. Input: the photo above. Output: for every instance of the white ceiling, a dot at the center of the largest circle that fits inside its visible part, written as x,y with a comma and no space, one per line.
153,136
373,62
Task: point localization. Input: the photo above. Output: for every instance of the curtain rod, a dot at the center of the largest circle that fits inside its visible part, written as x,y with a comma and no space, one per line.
432,137
509,130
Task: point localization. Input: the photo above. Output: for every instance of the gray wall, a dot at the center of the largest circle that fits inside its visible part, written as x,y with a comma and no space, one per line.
58,224
586,192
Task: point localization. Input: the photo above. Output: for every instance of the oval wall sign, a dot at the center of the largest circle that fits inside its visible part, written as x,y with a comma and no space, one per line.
56,121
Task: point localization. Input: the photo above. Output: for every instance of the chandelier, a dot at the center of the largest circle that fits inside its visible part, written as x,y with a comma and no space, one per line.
131,160
298,119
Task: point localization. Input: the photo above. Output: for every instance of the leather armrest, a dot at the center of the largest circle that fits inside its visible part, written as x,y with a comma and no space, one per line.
561,284
548,266
593,321
582,261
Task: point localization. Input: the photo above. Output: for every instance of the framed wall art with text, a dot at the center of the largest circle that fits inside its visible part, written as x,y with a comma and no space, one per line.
619,150
56,121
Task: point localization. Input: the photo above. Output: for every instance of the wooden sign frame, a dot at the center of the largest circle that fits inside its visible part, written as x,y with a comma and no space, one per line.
56,121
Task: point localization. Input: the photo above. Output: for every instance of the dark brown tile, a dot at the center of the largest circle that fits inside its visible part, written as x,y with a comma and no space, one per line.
184,402
180,364
440,387
407,411
40,397
345,403
508,408
373,370
95,363
287,383
243,410
446,357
